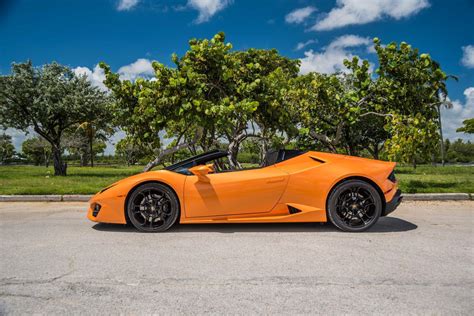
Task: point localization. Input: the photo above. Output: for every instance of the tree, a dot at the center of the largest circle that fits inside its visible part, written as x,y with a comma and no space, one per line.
7,150
78,144
50,99
96,132
266,74
212,93
396,108
215,95
460,151
468,127
129,152
318,101
410,88
37,150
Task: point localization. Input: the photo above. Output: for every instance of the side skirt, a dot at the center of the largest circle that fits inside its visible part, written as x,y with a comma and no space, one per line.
307,214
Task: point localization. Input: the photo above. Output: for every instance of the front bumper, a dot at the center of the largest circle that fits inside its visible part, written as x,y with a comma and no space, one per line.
393,203
111,209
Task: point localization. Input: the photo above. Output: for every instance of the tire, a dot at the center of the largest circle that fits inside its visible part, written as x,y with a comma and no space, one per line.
354,206
153,207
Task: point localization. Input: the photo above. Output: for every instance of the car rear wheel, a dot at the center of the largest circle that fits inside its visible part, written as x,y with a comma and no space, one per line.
354,206
153,207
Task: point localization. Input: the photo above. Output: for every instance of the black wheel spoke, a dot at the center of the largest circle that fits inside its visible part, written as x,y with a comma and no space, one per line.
152,208
356,207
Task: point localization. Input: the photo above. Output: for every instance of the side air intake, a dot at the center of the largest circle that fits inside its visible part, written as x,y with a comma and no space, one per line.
317,159
293,210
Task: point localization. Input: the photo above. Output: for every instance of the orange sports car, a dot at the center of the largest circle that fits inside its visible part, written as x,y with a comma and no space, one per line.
289,186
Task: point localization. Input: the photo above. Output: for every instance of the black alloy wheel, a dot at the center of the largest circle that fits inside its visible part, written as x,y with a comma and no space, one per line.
354,206
153,207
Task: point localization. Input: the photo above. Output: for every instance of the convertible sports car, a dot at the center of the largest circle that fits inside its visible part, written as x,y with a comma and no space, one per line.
289,186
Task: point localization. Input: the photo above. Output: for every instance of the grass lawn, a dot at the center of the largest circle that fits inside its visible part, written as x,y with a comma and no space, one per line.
86,180
40,180
430,179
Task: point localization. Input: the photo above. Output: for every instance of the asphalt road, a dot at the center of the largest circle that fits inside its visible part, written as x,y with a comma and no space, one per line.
420,260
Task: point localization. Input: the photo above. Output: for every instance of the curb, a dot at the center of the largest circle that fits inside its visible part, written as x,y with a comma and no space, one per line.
45,198
76,198
86,198
437,196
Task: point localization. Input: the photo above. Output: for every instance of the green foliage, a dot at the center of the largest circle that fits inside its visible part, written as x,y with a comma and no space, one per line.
37,150
410,87
50,99
459,151
93,133
129,152
210,90
7,150
78,145
214,96
468,126
355,111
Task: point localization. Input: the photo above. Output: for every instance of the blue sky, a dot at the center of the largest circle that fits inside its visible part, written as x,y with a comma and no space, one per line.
128,34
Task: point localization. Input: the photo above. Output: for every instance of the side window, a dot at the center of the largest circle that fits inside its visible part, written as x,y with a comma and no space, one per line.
185,169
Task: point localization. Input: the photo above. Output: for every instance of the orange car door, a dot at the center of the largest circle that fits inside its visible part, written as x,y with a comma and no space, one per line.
234,193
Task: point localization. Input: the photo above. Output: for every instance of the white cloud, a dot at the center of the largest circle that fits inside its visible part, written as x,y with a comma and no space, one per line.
452,118
349,12
299,15
346,41
302,45
207,8
331,58
468,56
140,68
125,5
112,142
18,136
96,76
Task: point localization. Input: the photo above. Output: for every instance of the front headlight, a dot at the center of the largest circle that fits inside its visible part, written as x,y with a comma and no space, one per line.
95,209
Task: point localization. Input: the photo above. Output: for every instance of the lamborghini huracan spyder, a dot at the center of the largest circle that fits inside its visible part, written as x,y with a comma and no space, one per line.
289,186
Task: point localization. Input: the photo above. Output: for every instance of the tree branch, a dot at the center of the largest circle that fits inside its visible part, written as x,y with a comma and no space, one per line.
168,151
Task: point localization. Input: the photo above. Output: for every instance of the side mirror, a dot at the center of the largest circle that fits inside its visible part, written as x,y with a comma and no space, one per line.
201,171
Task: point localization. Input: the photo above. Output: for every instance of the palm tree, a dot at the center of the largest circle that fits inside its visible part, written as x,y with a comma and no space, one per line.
92,131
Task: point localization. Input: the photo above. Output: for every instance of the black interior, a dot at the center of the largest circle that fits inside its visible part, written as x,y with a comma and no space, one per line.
278,155
272,157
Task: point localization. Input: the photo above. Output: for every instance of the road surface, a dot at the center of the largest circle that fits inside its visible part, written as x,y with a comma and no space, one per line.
419,260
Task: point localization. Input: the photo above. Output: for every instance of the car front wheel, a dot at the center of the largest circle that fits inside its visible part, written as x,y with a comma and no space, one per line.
153,207
354,206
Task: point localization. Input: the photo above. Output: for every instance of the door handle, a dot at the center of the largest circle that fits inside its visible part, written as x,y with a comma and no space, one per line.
276,180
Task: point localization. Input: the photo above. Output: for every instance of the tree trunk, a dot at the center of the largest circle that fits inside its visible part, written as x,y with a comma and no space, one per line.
83,159
263,150
59,165
441,136
376,151
414,163
91,139
351,151
233,151
46,160
157,161
331,144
